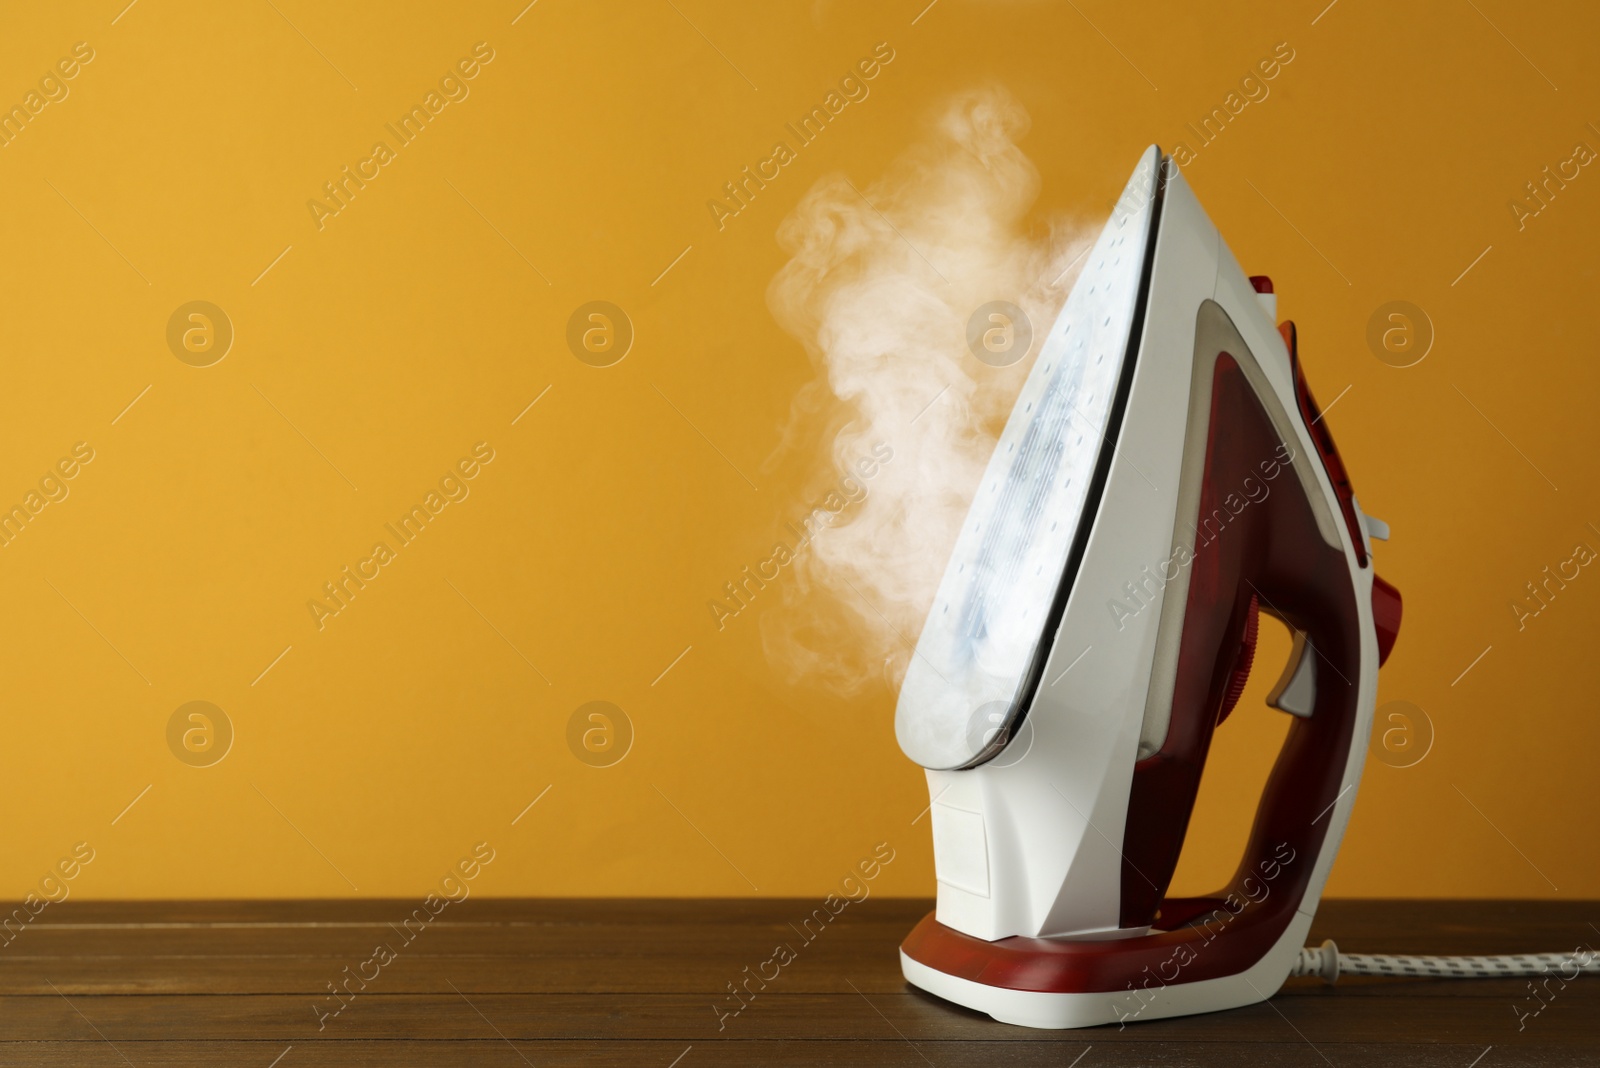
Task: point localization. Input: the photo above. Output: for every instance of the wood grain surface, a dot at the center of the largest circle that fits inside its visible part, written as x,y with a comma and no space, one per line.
621,982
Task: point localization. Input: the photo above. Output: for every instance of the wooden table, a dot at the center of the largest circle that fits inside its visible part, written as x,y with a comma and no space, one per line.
489,982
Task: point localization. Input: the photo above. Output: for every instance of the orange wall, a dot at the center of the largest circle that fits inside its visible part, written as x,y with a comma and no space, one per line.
427,314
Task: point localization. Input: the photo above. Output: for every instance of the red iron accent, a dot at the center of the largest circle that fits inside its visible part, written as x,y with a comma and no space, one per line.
1269,549
1226,936
1323,437
1385,616
1241,666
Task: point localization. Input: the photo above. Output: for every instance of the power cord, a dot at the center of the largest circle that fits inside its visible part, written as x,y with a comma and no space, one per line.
1327,961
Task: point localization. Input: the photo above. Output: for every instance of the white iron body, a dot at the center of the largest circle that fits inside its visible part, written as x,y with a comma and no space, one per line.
1030,843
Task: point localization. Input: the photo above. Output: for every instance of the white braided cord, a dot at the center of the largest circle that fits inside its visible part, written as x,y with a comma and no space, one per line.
1327,961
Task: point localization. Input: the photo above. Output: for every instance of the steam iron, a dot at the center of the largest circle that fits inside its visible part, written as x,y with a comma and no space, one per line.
1164,478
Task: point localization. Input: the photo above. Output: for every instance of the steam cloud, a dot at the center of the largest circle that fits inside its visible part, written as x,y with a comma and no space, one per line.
880,285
